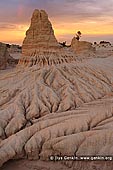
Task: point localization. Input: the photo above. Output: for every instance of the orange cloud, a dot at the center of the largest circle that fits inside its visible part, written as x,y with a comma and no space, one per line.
15,33
88,27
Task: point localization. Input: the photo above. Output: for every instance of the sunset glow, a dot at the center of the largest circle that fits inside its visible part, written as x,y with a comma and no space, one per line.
92,18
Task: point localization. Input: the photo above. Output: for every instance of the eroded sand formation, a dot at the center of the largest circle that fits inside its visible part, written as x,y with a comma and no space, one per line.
5,59
83,48
40,46
46,107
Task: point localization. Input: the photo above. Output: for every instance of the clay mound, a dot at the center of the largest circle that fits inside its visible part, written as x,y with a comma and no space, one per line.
40,46
4,56
5,59
82,47
40,34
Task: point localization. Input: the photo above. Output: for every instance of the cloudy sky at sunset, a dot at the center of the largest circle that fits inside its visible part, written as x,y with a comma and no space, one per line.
93,18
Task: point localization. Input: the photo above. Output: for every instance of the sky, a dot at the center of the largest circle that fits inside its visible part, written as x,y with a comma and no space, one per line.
94,18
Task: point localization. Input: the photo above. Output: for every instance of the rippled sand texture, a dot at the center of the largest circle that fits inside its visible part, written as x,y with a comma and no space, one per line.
45,110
